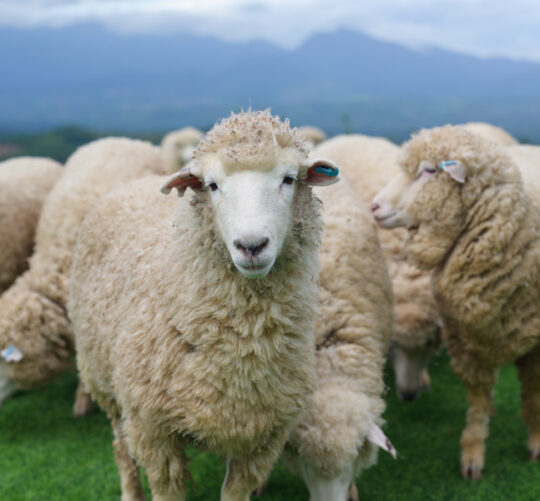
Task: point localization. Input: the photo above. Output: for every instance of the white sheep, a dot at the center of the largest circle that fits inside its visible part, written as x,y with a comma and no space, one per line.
24,184
369,162
311,135
194,319
334,440
35,333
496,134
177,147
472,221
527,158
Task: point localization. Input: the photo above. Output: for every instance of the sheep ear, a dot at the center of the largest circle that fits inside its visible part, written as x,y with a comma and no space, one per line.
377,437
321,172
181,180
455,168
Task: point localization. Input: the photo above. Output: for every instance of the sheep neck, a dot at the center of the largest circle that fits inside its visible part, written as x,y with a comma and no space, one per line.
492,259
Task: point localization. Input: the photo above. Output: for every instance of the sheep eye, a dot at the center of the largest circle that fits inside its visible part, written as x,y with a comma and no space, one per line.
431,170
213,186
288,180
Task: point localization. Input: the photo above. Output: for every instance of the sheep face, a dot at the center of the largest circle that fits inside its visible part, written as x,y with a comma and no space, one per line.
322,488
253,212
427,202
254,208
37,327
410,364
445,173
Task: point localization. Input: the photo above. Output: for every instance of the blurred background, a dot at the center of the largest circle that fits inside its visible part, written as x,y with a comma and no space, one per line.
75,70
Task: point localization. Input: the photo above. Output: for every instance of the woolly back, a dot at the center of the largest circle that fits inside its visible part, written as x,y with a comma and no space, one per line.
93,170
24,184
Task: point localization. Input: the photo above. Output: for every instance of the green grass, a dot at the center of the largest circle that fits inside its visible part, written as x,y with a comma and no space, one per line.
45,454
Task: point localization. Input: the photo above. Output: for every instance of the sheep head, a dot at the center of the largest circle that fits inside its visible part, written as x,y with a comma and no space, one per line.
253,169
445,173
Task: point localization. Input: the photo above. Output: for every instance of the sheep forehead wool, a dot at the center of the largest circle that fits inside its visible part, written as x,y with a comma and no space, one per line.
451,142
251,139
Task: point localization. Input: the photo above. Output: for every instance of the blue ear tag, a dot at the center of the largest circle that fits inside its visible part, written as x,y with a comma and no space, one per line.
442,165
12,354
327,171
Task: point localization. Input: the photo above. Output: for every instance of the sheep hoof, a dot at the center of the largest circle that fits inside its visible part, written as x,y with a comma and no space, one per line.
472,460
353,493
83,405
471,471
259,491
534,447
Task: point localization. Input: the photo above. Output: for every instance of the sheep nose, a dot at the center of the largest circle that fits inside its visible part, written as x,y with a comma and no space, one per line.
408,395
251,249
375,207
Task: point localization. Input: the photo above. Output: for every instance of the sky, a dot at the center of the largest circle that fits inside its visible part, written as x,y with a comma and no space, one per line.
479,27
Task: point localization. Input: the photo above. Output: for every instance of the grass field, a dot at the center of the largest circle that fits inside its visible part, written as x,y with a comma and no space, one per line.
45,454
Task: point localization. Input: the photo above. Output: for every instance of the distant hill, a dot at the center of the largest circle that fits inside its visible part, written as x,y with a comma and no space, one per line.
89,75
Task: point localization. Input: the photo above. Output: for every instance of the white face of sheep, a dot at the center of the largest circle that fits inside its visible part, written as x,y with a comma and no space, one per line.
392,207
253,208
410,367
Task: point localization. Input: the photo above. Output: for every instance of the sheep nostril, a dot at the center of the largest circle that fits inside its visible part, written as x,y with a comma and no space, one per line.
408,396
255,250
252,249
375,207
238,244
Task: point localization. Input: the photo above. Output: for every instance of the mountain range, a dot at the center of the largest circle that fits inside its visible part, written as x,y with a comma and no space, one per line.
342,81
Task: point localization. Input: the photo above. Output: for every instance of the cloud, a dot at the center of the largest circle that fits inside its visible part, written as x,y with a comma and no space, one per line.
481,27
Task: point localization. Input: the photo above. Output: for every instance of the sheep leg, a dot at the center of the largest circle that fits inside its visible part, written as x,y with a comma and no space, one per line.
164,461
83,402
7,386
353,493
474,435
240,480
127,468
528,368
425,381
245,474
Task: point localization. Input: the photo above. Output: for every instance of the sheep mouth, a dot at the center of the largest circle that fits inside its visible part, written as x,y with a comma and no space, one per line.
380,219
254,267
252,270
387,221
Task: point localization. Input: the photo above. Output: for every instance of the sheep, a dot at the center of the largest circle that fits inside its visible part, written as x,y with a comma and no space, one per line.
496,134
472,222
177,147
369,162
35,333
194,320
24,184
332,442
311,135
527,158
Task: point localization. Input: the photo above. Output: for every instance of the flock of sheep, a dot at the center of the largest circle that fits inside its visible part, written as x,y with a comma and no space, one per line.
253,316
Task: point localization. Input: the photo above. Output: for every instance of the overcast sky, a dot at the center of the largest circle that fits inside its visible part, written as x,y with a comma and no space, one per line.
481,27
